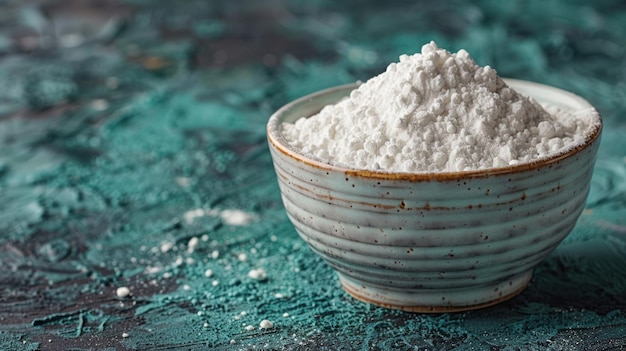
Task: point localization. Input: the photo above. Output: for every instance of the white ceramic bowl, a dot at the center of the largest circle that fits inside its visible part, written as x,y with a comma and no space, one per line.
433,242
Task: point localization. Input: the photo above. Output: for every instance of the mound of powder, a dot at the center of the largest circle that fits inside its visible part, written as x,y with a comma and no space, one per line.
435,111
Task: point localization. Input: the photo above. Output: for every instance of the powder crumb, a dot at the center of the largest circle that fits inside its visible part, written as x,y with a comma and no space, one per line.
215,283
122,292
206,324
192,244
208,273
242,257
99,104
266,324
437,111
232,341
249,327
259,274
215,254
191,215
125,335
236,217
285,314
166,246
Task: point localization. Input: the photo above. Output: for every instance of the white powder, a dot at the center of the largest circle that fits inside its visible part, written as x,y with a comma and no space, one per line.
232,217
122,292
266,324
192,244
259,274
436,111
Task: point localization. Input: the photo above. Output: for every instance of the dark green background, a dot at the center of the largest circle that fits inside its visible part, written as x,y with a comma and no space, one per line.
120,119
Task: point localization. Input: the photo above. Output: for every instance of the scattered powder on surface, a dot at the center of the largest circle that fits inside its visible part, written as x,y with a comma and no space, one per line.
259,274
232,217
192,244
122,292
236,217
436,111
266,324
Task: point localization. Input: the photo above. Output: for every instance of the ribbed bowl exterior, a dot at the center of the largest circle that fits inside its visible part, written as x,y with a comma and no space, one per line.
433,242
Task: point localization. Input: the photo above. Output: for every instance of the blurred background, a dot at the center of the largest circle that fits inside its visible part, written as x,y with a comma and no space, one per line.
133,153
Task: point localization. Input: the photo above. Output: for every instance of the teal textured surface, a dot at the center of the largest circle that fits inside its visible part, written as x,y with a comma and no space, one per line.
133,153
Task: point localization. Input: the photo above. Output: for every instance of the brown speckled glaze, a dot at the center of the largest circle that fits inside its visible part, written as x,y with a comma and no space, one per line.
433,242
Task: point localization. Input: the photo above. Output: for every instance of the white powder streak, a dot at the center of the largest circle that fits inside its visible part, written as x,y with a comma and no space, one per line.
232,217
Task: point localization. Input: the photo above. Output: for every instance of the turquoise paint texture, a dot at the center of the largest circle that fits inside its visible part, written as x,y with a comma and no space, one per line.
128,128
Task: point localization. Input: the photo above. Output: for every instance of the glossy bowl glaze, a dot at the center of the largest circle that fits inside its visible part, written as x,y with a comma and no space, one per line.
433,242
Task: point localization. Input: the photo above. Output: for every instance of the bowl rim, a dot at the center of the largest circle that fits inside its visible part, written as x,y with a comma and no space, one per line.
278,142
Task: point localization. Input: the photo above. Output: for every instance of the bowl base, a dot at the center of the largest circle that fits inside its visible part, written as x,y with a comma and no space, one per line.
436,300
